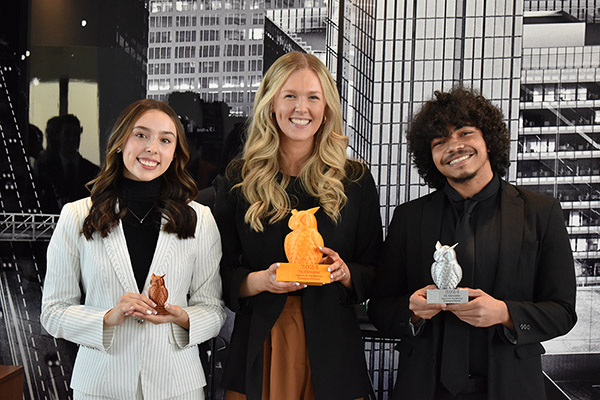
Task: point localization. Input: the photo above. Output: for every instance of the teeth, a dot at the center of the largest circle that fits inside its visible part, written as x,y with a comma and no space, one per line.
148,163
459,159
300,121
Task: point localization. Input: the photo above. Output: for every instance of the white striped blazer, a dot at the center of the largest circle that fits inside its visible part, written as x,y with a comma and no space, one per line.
110,362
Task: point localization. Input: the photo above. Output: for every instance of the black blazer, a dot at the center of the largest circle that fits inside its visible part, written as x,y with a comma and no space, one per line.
333,335
535,277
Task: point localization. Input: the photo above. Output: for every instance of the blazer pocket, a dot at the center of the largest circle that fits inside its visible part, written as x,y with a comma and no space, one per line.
529,350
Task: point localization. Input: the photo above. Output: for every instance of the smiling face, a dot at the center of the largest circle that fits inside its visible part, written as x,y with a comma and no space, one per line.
462,157
150,147
299,107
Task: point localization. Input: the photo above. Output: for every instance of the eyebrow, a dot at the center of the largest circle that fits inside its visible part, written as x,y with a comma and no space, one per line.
294,91
148,130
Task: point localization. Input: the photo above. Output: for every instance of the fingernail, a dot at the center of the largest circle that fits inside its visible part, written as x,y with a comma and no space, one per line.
331,276
305,285
320,248
148,312
297,283
278,265
167,305
153,304
329,269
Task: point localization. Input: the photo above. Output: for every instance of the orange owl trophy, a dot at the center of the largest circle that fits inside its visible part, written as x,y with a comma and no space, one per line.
302,251
158,293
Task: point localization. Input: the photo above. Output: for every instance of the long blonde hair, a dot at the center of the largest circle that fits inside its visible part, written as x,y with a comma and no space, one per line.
323,173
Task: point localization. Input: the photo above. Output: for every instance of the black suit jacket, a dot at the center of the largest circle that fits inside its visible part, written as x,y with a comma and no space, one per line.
535,277
333,337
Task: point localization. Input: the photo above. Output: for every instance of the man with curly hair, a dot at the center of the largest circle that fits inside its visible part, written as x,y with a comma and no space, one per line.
515,255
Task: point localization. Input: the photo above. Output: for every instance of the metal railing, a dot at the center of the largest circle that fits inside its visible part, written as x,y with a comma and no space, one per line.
19,227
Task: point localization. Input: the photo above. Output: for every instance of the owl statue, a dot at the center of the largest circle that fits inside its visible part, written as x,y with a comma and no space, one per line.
445,271
158,293
302,244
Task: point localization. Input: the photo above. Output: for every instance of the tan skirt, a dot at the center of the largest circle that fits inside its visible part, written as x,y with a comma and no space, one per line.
286,373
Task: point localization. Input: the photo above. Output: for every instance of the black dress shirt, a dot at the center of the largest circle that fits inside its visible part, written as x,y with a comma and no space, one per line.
486,224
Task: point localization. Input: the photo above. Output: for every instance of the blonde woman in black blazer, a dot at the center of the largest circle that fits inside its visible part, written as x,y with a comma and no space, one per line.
295,157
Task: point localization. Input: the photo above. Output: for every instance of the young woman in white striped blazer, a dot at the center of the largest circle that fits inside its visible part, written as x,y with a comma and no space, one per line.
139,220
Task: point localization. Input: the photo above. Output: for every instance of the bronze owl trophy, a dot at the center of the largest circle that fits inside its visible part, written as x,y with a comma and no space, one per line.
158,293
302,251
446,274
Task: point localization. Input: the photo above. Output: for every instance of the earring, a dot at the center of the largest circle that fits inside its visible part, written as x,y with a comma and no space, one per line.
118,149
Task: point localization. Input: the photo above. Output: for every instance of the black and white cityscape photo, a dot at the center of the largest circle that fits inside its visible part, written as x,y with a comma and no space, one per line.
69,67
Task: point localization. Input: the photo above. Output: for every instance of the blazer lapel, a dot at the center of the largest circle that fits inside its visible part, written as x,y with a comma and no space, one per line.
511,234
431,225
116,248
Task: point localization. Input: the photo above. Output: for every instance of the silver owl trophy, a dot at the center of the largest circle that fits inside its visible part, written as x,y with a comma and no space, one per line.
446,274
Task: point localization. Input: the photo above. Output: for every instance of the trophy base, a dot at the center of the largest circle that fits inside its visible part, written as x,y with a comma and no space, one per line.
160,310
447,296
309,274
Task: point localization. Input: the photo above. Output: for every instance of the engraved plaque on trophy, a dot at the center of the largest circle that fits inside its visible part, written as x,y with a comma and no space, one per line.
302,251
158,293
446,274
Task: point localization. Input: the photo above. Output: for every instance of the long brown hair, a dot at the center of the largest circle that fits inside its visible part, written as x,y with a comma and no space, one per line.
177,187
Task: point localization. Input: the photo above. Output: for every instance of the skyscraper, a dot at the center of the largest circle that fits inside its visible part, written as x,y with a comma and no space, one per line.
214,48
393,55
559,141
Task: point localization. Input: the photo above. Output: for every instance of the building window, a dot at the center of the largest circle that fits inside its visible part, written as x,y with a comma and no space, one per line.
208,82
234,50
233,66
185,36
159,53
235,19
255,65
233,81
255,50
209,20
184,84
185,68
209,35
185,52
258,19
234,34
161,22
185,20
209,66
210,51
256,34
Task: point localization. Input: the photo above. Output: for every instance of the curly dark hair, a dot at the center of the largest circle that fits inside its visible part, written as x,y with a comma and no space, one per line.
459,107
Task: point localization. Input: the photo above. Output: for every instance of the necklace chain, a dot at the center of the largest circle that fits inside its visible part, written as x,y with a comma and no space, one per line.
141,220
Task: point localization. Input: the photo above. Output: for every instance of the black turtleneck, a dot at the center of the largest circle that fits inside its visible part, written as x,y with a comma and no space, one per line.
140,199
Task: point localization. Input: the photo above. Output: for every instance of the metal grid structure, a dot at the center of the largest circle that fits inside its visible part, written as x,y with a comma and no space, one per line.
382,363
16,227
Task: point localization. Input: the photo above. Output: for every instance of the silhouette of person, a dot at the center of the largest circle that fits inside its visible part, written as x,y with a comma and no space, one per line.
63,172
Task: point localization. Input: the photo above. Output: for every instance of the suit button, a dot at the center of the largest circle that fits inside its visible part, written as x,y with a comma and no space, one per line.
525,327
